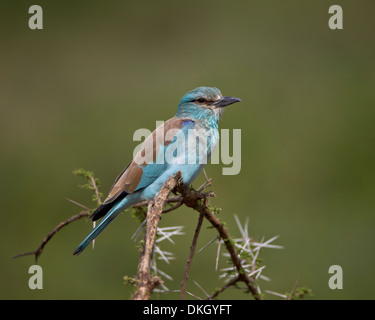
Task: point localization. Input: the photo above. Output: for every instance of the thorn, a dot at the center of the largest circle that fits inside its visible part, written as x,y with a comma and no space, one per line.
78,204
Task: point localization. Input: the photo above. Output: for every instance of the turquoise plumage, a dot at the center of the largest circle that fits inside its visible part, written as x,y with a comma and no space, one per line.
172,147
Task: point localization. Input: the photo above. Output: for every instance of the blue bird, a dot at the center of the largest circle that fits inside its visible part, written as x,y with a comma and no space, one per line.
172,147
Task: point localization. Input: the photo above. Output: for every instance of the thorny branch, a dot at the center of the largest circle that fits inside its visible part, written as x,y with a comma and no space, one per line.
195,199
191,254
96,189
191,198
39,250
94,186
154,210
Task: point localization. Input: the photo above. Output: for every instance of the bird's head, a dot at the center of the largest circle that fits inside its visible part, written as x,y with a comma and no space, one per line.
204,103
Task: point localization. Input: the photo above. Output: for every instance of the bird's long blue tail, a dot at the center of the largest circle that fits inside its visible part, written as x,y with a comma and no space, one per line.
111,215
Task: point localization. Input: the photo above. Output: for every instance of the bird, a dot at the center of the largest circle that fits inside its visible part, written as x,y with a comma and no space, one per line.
170,148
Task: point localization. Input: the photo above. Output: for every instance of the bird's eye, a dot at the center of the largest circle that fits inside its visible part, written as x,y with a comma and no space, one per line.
200,100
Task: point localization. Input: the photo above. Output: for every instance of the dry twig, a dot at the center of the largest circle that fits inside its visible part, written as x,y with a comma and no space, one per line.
195,199
39,250
191,254
145,283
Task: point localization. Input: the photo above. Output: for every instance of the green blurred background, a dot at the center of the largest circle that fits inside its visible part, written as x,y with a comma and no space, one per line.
73,94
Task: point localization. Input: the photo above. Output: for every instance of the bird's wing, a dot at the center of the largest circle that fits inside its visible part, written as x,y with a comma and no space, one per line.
143,170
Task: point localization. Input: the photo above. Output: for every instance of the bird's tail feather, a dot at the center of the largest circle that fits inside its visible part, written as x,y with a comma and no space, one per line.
103,209
112,214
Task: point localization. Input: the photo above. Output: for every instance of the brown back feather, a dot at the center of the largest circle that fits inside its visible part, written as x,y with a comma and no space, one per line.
129,179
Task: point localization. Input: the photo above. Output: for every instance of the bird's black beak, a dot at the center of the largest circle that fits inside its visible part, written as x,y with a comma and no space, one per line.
226,101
